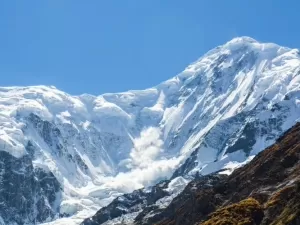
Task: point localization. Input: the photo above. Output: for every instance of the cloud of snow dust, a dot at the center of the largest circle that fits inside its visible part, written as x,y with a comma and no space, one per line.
147,147
146,166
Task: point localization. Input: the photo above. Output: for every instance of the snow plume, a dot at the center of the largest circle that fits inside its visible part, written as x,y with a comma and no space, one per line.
144,177
147,147
145,164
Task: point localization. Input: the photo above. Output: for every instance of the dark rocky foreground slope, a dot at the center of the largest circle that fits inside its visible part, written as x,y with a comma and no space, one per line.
265,191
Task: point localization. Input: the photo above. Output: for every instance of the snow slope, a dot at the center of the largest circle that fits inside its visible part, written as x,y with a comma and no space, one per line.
220,111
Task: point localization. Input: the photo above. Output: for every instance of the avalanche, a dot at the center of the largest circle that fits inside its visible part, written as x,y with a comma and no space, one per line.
219,112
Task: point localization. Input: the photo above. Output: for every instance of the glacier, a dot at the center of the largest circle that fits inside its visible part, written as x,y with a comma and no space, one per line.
217,114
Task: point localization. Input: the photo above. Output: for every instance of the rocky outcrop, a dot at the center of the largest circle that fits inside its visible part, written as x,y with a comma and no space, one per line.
191,201
129,203
28,195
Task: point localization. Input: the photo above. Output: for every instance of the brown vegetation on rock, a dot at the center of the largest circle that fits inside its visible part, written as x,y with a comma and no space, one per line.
246,212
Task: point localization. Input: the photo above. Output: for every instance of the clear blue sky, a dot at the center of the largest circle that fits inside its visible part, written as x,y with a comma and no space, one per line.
99,46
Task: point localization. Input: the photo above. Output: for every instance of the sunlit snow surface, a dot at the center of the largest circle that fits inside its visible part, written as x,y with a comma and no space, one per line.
133,139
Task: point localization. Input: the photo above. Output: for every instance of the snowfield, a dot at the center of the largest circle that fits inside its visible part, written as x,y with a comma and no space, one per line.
100,147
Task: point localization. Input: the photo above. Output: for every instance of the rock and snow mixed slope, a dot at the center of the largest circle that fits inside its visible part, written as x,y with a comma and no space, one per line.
219,112
263,192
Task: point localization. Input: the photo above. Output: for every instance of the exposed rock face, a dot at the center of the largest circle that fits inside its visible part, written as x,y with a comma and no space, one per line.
265,191
129,203
188,200
28,195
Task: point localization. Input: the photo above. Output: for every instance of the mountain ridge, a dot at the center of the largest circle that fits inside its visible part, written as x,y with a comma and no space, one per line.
217,114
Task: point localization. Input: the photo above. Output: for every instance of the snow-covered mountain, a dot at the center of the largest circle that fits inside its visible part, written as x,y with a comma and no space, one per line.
84,151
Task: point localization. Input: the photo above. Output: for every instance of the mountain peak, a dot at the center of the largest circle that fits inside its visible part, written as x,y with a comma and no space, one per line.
243,39
257,46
